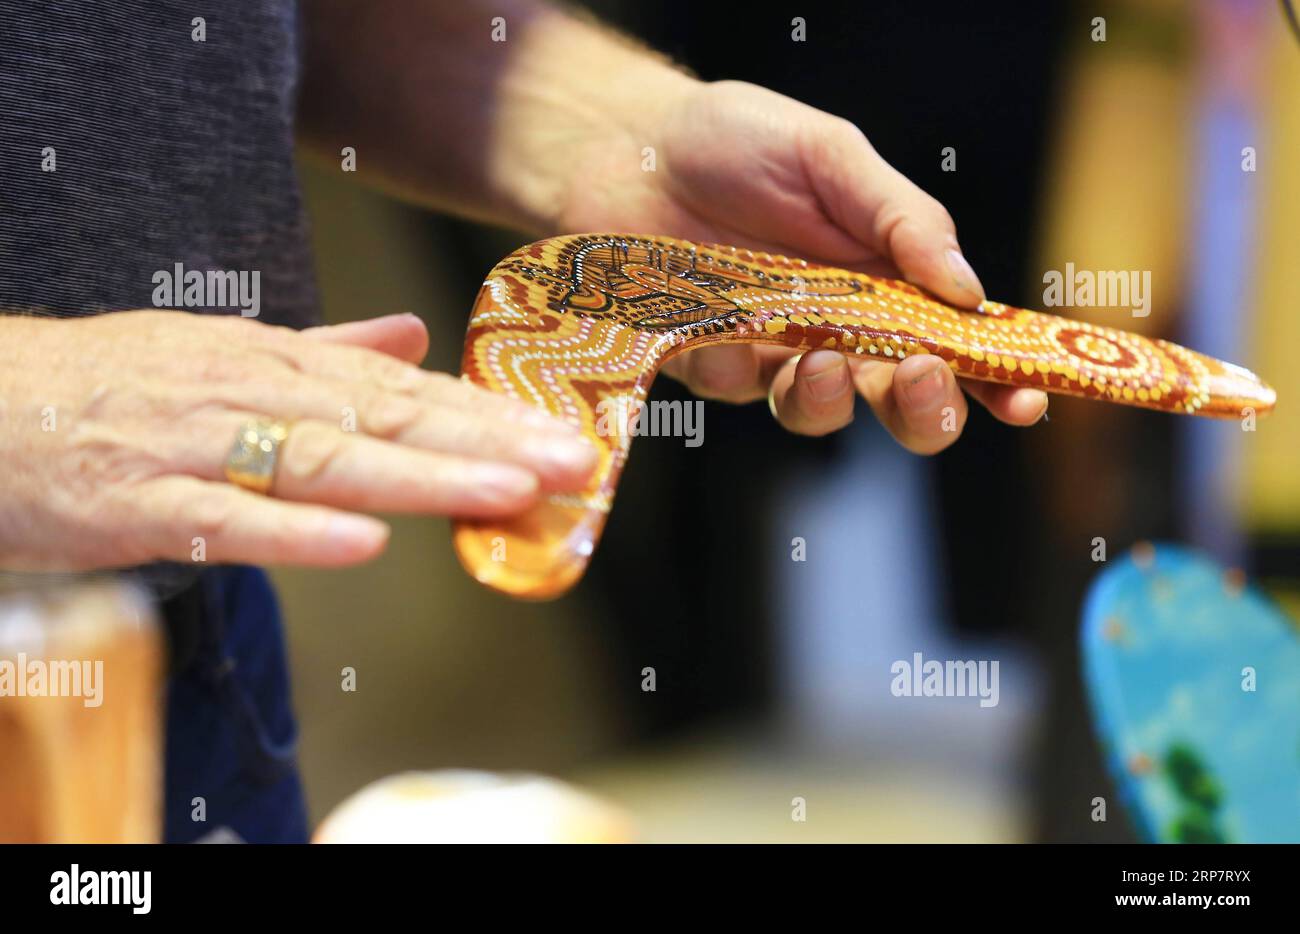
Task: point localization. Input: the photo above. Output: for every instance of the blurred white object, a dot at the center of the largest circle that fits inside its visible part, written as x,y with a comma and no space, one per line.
473,807
870,520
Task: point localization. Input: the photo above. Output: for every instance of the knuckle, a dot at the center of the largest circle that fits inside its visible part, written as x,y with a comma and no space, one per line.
444,384
405,377
848,131
833,139
217,367
388,416
376,368
892,215
310,452
209,517
940,216
462,434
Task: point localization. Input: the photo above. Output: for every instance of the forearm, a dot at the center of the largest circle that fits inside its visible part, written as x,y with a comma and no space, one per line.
441,114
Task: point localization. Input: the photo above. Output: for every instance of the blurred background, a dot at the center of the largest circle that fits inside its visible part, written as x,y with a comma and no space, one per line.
772,675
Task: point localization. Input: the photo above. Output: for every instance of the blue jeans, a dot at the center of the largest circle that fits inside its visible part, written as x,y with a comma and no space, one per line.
231,736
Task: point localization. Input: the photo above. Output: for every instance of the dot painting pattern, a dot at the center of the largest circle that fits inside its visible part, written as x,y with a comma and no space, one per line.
572,322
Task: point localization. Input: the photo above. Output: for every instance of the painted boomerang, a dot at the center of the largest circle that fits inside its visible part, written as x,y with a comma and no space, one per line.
579,325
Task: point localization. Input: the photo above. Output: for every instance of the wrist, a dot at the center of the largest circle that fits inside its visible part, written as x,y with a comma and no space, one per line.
561,124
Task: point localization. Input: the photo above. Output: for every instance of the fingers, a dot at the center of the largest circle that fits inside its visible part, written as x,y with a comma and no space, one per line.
402,336
362,366
1014,405
813,394
917,400
187,519
728,373
918,235
378,353
926,250
320,464
733,373
884,210
336,375
557,458
561,457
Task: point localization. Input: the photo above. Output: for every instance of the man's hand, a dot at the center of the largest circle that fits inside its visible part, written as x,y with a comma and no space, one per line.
516,112
114,431
738,164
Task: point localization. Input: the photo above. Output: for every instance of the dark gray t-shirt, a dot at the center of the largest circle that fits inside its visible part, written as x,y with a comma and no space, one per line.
127,147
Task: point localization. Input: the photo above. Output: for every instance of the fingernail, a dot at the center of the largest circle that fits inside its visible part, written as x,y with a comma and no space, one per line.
828,383
1043,414
926,389
353,531
962,275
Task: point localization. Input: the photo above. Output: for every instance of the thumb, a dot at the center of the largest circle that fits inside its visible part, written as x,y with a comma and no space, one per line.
881,208
922,242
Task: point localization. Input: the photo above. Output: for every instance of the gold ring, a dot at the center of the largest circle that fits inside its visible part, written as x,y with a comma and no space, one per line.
771,388
252,459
